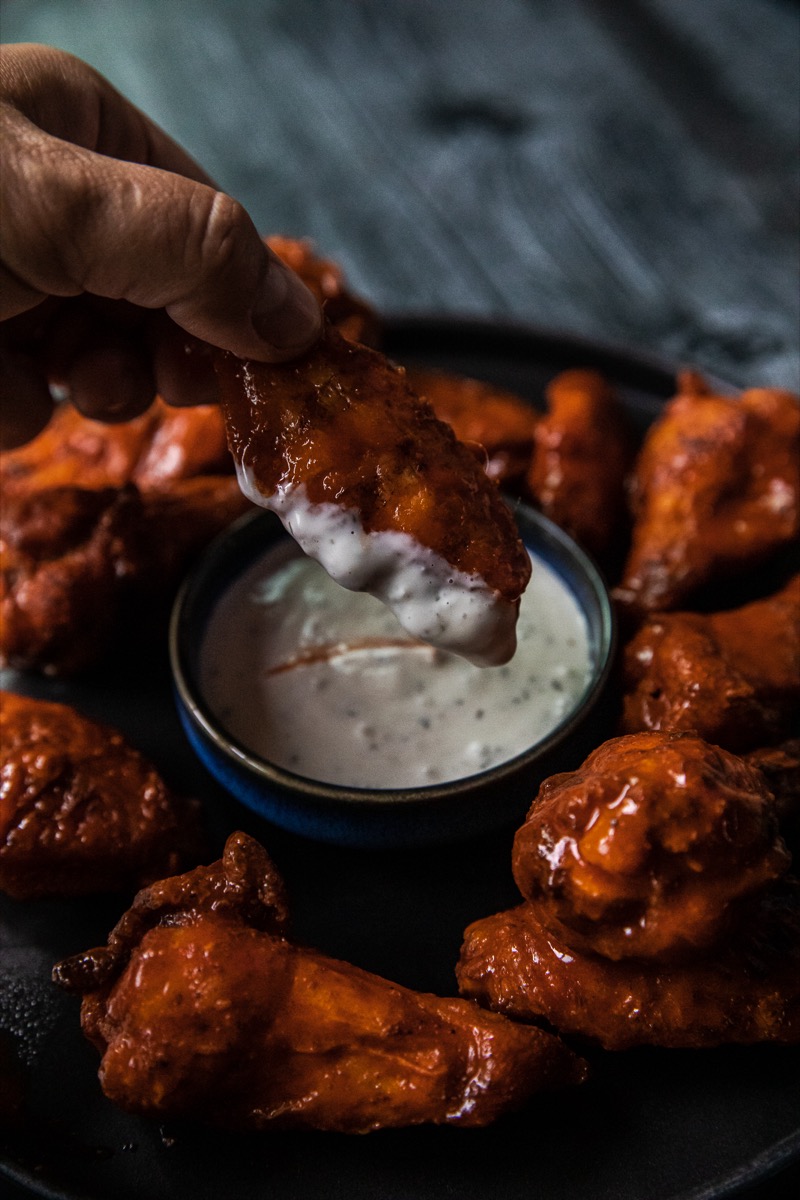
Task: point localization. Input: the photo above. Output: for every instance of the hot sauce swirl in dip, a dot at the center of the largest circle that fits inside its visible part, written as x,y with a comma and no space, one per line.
326,683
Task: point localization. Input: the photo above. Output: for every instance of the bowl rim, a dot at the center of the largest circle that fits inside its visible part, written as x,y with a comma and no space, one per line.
322,793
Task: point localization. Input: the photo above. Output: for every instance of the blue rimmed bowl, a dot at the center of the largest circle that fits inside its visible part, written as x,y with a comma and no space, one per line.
391,817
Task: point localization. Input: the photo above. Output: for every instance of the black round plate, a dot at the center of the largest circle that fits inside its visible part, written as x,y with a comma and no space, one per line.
649,1124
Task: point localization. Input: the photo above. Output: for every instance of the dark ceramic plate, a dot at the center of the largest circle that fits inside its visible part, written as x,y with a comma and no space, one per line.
649,1125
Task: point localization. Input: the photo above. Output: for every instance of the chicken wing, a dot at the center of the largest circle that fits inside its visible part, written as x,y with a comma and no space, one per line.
159,448
583,453
82,568
201,1007
484,415
746,993
716,491
733,677
658,907
81,811
371,484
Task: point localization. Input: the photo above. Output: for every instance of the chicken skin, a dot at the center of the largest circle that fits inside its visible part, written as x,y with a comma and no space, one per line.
733,677
716,491
81,568
99,522
371,484
81,811
582,456
484,415
202,1008
657,905
746,993
156,450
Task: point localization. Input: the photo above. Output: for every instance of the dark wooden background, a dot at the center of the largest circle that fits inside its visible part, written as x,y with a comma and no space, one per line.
621,169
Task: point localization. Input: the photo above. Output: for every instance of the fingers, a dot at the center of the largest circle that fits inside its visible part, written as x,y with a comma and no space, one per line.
65,97
76,221
101,203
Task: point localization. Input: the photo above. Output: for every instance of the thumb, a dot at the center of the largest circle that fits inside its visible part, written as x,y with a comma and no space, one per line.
77,221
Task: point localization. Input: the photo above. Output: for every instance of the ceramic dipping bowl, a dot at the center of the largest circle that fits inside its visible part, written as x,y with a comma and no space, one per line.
372,817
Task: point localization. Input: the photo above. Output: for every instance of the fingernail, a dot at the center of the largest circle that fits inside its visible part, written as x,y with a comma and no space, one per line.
286,314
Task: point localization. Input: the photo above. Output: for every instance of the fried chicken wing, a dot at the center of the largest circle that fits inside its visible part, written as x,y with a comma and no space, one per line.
646,848
81,811
745,993
733,677
371,484
201,1007
82,568
583,453
716,492
485,415
658,909
163,446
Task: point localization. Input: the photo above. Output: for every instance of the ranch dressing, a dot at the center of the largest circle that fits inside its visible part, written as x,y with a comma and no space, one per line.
430,598
326,683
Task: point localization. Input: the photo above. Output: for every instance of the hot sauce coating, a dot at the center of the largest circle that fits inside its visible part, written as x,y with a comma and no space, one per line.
484,415
747,992
583,452
716,490
342,423
658,907
202,1008
733,677
646,848
81,811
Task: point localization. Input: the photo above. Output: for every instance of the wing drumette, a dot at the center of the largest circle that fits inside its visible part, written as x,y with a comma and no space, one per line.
658,908
716,491
369,482
80,810
202,1008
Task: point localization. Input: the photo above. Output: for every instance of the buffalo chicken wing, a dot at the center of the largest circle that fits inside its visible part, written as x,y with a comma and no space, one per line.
203,1008
657,909
81,811
368,481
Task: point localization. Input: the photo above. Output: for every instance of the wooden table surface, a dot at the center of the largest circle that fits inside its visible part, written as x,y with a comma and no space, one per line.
622,169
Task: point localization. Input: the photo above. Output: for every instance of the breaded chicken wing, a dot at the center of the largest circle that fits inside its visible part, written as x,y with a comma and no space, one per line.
716,492
81,811
658,909
201,1007
583,453
733,677
371,484
485,415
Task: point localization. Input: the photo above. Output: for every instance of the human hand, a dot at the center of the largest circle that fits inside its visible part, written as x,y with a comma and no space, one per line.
120,262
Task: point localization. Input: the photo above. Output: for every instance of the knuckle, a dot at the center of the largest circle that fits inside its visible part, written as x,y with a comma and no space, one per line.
223,226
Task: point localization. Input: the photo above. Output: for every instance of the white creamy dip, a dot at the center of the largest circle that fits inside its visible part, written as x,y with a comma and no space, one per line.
430,598
326,683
